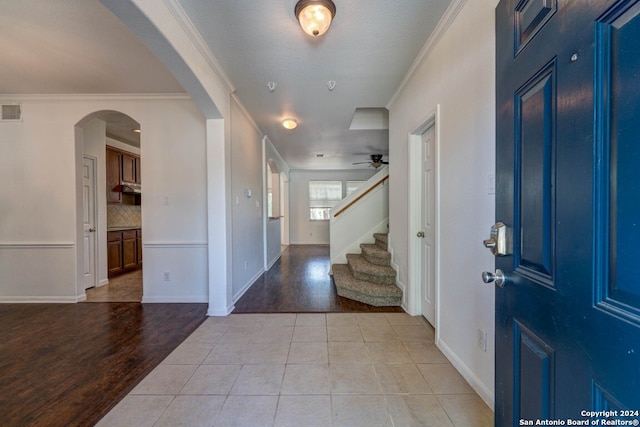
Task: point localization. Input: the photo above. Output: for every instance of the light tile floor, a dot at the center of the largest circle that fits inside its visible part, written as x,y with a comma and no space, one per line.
305,370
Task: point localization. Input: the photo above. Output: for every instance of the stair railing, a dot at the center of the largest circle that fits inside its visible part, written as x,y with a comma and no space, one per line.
358,216
357,199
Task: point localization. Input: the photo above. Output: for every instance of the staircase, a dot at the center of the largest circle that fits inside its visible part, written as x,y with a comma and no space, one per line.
368,277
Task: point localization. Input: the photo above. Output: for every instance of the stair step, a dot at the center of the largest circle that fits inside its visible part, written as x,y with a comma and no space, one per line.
369,293
382,240
375,254
364,270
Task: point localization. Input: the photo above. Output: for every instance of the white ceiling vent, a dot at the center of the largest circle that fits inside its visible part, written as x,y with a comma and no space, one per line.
11,113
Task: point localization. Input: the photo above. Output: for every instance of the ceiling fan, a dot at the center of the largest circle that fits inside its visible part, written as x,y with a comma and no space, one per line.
376,161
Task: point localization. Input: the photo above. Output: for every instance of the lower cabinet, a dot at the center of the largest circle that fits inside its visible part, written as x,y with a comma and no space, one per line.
114,253
124,251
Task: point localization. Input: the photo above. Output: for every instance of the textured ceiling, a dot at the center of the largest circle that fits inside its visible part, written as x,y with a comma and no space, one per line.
79,46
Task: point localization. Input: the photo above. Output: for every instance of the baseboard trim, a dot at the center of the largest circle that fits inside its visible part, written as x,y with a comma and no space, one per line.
246,287
214,313
39,299
175,299
273,261
480,388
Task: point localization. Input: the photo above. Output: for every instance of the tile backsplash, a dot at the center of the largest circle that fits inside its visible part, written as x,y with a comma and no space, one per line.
123,216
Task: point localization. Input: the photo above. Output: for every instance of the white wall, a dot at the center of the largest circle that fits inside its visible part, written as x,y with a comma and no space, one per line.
303,231
38,171
458,74
276,229
247,255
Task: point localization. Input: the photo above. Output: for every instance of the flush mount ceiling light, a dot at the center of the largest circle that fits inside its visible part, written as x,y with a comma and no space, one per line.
315,16
289,124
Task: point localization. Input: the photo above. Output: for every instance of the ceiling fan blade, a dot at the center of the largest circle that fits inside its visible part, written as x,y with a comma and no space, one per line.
360,163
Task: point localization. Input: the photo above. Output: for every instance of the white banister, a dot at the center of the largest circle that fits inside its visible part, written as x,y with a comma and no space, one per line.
358,216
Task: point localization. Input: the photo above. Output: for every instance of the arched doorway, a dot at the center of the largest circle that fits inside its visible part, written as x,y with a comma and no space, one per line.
109,204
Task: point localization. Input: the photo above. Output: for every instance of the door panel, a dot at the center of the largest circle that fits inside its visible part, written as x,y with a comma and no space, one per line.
534,120
567,182
428,190
619,62
89,221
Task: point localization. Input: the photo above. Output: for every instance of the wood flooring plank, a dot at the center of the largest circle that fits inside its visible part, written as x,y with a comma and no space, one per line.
69,364
299,282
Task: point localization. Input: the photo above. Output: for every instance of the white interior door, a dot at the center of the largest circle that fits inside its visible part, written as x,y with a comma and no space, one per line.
89,220
427,222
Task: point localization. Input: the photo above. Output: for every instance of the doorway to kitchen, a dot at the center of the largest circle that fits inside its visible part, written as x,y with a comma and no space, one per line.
113,140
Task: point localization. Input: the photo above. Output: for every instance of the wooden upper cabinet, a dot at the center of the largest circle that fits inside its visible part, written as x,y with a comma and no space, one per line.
114,172
120,166
138,179
129,168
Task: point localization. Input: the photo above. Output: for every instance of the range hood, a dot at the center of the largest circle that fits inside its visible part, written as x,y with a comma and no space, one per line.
128,188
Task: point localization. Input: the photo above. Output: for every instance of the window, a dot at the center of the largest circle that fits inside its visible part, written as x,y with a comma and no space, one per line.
323,195
353,186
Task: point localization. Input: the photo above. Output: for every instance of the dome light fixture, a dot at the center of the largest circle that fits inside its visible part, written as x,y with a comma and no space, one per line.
289,124
315,16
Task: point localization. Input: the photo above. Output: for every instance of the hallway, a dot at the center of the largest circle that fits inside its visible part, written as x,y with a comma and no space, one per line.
299,282
293,353
331,363
333,369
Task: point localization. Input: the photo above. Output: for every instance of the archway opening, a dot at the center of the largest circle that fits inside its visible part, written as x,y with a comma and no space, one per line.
109,207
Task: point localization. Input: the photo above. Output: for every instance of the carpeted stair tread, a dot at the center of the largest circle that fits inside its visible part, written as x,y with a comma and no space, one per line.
375,254
369,293
381,240
364,270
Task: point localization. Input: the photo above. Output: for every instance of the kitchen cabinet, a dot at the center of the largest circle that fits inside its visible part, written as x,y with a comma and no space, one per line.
114,175
114,253
139,244
138,174
129,250
121,166
124,251
128,167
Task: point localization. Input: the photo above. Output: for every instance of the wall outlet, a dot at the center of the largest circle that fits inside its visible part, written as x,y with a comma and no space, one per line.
481,340
167,276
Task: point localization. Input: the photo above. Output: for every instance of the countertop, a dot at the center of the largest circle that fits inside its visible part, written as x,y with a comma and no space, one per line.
122,228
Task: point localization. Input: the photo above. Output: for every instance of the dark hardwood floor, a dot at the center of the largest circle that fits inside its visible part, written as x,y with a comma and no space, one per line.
69,364
300,282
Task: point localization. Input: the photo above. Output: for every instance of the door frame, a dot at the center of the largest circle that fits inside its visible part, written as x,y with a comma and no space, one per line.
94,161
414,160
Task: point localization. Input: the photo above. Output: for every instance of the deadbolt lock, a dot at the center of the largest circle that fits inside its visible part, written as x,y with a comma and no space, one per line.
500,241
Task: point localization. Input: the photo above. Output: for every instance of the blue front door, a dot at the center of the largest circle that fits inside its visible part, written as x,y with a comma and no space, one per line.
568,188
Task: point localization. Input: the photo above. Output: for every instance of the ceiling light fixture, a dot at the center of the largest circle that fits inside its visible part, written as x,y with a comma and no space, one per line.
289,124
315,16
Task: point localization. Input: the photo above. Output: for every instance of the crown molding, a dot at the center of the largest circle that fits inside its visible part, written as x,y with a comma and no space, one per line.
443,25
64,97
181,17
